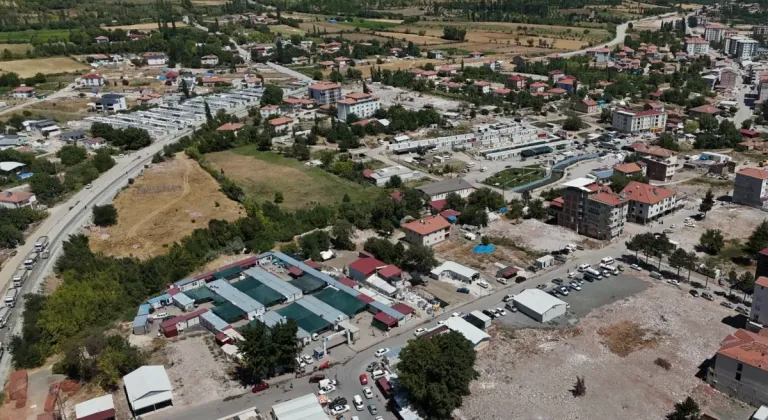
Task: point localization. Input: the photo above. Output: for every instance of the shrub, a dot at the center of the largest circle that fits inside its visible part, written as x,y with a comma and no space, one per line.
664,363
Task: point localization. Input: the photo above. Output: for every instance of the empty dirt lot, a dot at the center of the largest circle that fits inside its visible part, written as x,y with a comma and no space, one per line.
51,65
614,348
164,205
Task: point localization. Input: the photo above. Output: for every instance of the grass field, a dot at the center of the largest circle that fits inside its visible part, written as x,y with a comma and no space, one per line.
140,26
286,30
515,177
41,35
369,24
53,65
262,174
164,205
16,48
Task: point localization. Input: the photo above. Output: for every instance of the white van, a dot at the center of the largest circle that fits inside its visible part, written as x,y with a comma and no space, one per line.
607,260
470,164
592,273
378,373
583,267
359,405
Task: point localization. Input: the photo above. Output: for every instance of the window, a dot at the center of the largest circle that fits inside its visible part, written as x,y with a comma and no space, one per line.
738,376
739,367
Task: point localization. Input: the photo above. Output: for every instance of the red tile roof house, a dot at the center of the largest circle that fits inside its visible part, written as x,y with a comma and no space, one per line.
17,199
233,127
364,268
649,202
740,367
428,231
586,106
704,109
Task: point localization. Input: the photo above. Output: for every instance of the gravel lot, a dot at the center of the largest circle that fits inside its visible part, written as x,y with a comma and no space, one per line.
539,366
534,234
736,222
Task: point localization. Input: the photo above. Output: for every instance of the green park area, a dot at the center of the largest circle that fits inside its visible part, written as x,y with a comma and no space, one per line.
515,177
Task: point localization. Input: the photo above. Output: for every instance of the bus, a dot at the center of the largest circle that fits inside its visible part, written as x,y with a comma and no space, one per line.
41,243
593,274
19,277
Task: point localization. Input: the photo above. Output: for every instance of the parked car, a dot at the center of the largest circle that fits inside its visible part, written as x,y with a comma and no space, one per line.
557,281
462,290
372,408
707,296
316,378
507,298
694,293
457,314
541,286
574,286
307,359
501,311
489,313
635,267
367,392
261,386
564,291
363,379
520,279
483,284
502,280
418,332
335,411
573,274
380,352
728,305
673,281
742,310
553,292
371,367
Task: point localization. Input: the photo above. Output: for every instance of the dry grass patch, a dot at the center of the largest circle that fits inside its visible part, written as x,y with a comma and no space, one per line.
627,337
52,65
141,26
16,48
164,205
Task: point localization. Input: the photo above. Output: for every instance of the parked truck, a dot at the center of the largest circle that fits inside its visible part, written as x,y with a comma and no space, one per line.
31,260
5,314
10,297
20,276
41,244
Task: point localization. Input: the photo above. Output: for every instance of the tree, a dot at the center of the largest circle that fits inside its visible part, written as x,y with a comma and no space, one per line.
208,114
514,210
342,233
103,161
394,182
690,263
418,258
47,188
526,196
105,215
436,373
660,246
678,259
454,201
72,155
273,95
454,33
686,410
605,115
278,197
758,241
313,243
708,123
707,203
536,209
257,350
185,88
668,142
580,388
573,123
691,126
712,240
746,283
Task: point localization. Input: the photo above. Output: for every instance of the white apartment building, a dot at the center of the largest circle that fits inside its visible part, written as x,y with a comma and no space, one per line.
759,310
363,105
325,93
696,46
629,121
92,80
648,202
741,47
428,231
760,30
111,102
209,60
751,188
714,32
762,89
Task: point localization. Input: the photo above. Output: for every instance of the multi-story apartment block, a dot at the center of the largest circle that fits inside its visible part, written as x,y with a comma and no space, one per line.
629,121
760,30
325,93
751,188
759,310
363,105
648,202
696,46
762,89
741,47
591,210
714,32
661,163
728,78
740,367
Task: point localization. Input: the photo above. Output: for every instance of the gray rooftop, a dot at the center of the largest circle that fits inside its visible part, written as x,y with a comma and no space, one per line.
445,186
322,309
246,303
390,172
273,282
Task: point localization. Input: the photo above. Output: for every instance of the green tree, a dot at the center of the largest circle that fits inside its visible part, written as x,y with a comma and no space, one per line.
691,126
185,88
257,350
394,182
313,243
573,123
273,95
514,210
436,373
668,142
707,202
686,410
208,114
708,123
343,232
72,155
536,209
712,240
103,161
47,188
278,197
678,259
690,263
746,283
758,241
660,246
105,215
418,258
454,201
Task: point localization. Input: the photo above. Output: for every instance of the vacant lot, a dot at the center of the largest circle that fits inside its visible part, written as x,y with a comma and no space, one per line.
516,29
286,30
16,48
53,65
61,110
164,205
613,348
262,174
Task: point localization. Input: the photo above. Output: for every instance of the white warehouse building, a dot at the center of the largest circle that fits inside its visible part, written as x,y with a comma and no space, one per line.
539,305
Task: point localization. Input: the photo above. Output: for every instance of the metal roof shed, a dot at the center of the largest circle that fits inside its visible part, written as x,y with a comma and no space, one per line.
312,272
212,322
476,336
387,310
322,309
289,291
144,309
140,324
148,388
183,301
307,283
305,318
272,318
246,303
350,305
301,408
99,408
539,305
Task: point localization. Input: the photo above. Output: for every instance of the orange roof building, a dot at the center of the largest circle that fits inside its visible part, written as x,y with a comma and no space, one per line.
751,188
649,202
427,231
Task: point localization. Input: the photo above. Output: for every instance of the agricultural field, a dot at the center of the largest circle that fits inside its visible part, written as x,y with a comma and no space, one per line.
16,48
286,30
140,26
167,203
52,65
30,35
262,174
505,29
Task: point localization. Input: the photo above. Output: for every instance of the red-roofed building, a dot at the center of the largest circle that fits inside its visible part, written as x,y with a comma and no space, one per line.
17,199
516,82
174,326
751,188
750,134
384,321
629,169
363,268
325,92
349,282
501,92
405,310
438,205
282,124
428,231
233,127
661,163
92,80
537,87
447,214
590,210
476,54
362,105
23,92
397,195
587,106
295,272
704,110
649,202
483,86
740,367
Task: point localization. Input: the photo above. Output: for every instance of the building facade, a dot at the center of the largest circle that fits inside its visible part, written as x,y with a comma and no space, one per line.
363,105
325,93
714,32
759,310
111,102
591,210
751,188
661,164
648,203
740,367
440,190
428,231
740,47
696,46
629,121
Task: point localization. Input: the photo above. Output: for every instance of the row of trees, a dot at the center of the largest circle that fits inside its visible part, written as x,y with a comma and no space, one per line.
415,258
268,351
13,223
